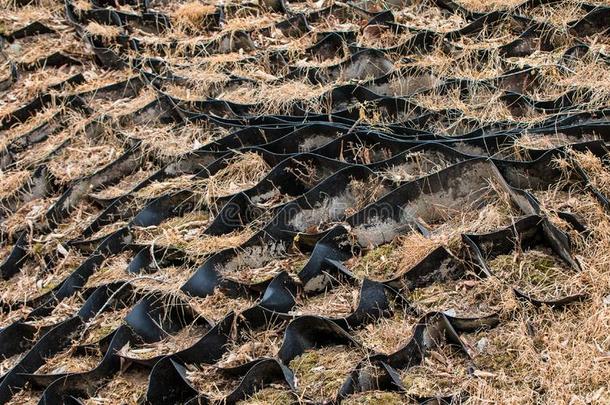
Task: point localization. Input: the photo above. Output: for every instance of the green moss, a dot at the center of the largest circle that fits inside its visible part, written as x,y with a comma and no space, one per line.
37,248
48,287
425,382
297,265
377,263
376,397
103,331
321,372
535,268
433,295
270,396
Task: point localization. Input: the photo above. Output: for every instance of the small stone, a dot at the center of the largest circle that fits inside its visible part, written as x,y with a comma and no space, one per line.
482,344
450,312
15,48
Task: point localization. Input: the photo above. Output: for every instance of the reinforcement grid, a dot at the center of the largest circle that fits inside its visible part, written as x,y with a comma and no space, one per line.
304,202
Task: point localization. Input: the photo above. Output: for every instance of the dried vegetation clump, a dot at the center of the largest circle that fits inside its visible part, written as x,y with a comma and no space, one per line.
392,259
274,394
208,380
321,371
173,343
387,334
337,302
250,345
188,234
539,273
128,387
442,372
215,306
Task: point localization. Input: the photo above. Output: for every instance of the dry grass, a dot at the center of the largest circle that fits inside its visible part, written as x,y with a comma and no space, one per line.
72,227
188,233
274,394
82,157
430,18
158,188
251,345
209,381
126,184
381,36
16,17
220,62
594,167
443,372
559,14
204,244
488,5
482,104
249,23
274,198
262,262
31,49
166,280
535,355
64,309
333,209
587,77
365,192
67,362
386,335
82,5
108,229
8,363
128,388
215,306
112,269
521,147
465,64
40,152
338,302
375,397
201,84
102,325
320,372
278,99
190,226
104,31
30,216
243,171
125,106
468,298
363,153
169,141
418,164
31,123
27,396
307,172
33,83
192,15
171,344
475,204
390,260
11,182
95,78
539,273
